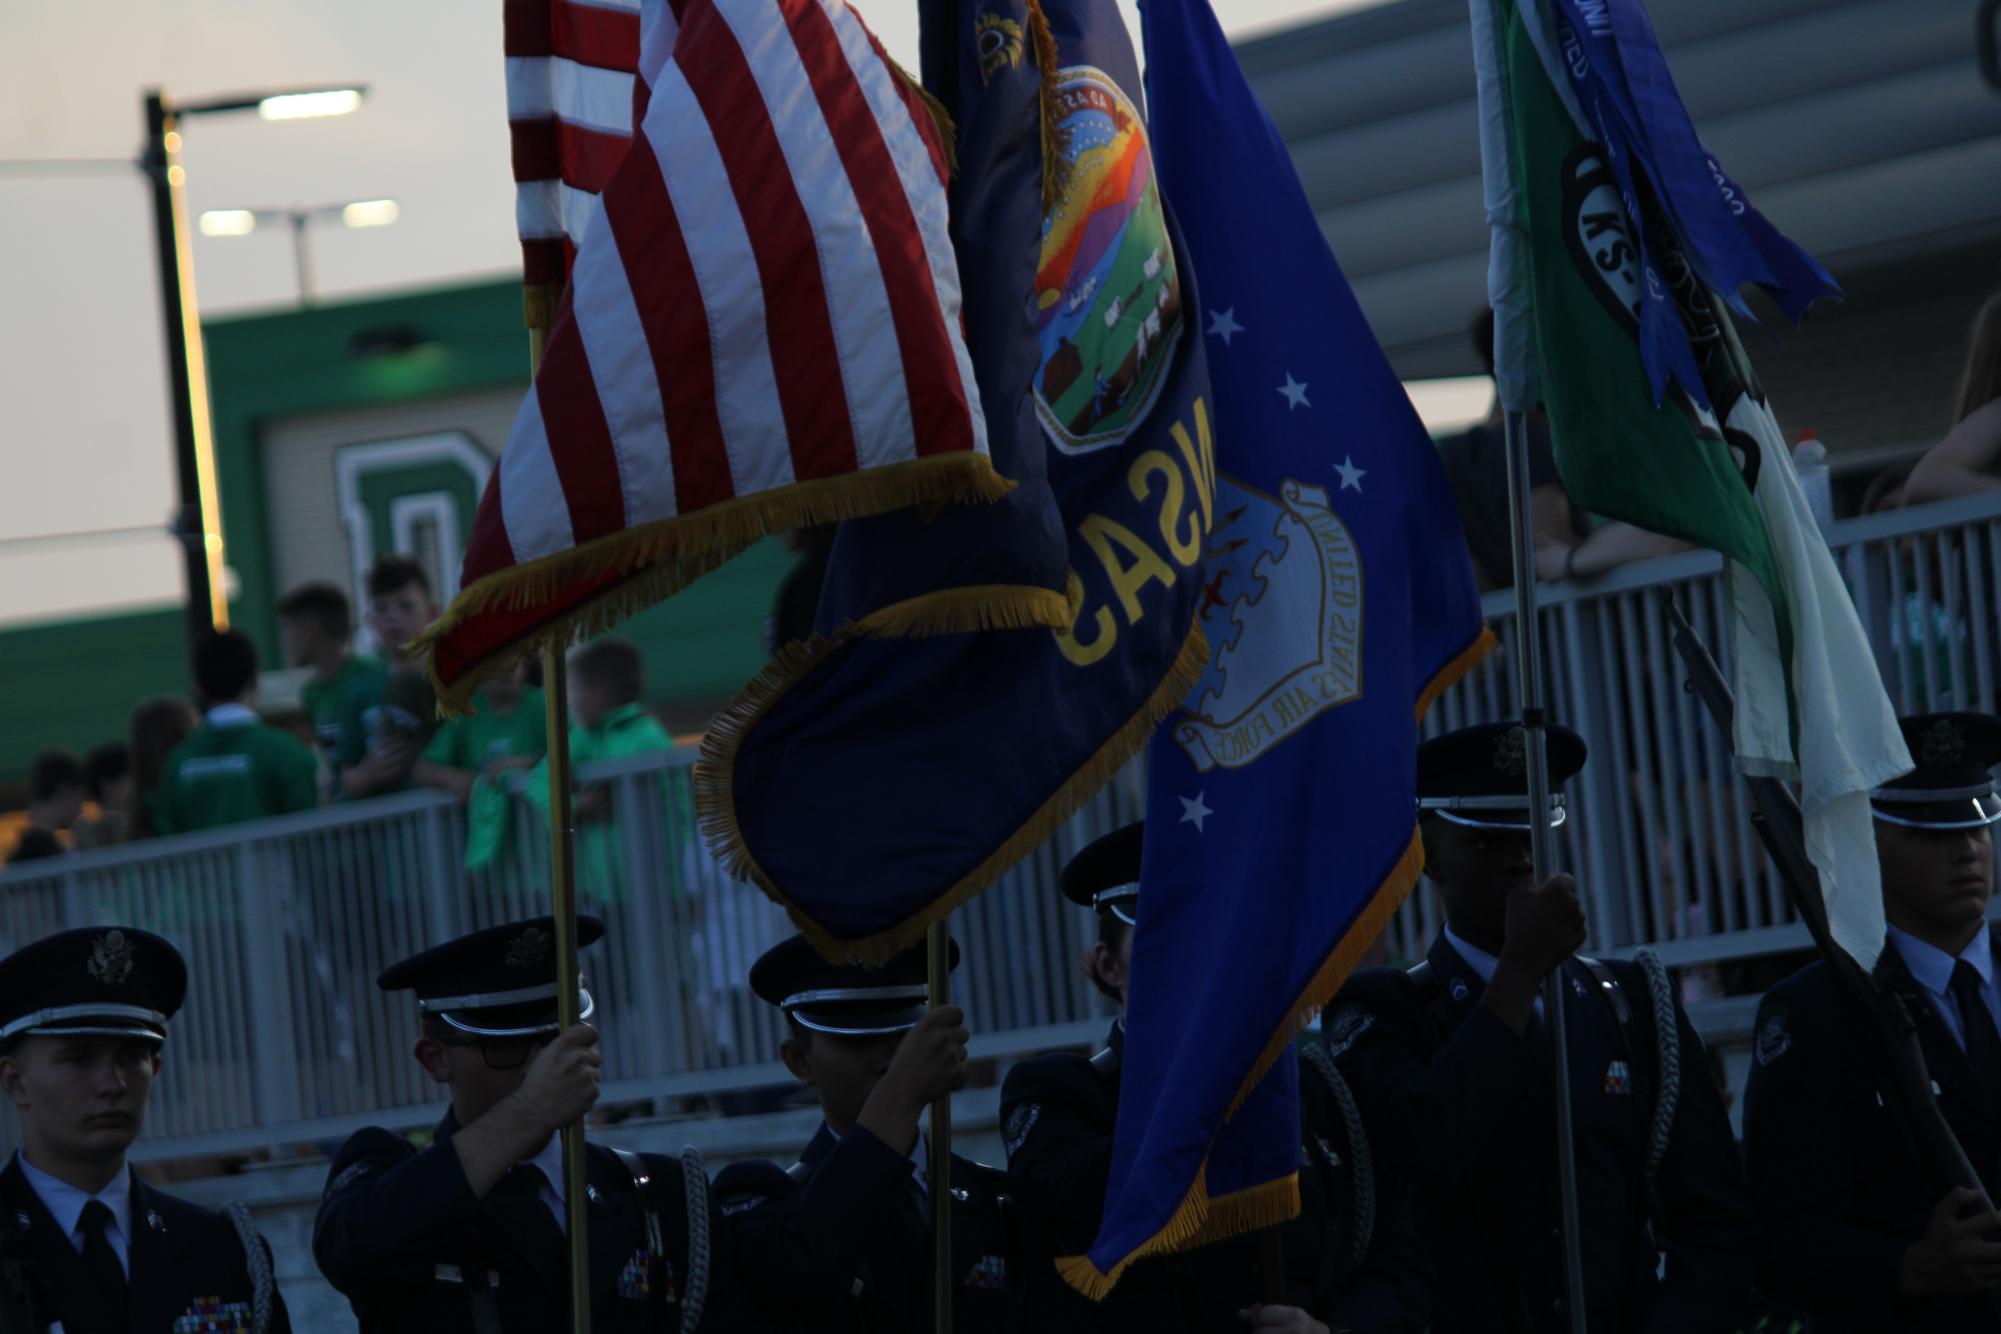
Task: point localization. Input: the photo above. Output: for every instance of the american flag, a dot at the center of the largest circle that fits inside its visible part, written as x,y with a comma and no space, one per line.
571,70
761,327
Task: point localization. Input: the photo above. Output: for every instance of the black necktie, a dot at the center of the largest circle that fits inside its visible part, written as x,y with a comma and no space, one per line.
1976,1022
101,1267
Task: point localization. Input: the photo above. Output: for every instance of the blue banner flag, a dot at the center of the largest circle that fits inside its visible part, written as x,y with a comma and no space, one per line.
1339,599
1709,231
977,673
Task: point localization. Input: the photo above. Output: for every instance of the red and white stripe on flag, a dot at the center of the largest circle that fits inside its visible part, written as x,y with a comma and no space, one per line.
570,112
761,329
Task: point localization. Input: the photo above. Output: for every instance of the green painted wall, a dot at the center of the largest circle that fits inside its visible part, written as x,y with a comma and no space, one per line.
74,683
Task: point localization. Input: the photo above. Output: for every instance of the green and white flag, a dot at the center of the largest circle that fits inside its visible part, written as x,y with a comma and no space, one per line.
1567,275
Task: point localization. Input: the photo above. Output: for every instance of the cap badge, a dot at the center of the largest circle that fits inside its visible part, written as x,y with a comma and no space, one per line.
529,948
1511,752
111,958
1944,742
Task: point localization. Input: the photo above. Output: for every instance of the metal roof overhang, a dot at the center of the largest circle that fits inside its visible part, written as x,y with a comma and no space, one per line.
1860,128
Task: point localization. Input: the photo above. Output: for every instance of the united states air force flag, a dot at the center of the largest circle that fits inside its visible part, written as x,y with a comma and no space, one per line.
978,672
1338,600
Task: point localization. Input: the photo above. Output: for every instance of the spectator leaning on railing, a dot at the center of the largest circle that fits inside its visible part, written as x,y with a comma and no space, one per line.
232,767
1968,460
371,759
315,624
507,729
108,771
607,722
1568,545
56,792
155,728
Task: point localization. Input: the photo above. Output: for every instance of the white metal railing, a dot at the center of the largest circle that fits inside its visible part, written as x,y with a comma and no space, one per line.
1661,840
285,1039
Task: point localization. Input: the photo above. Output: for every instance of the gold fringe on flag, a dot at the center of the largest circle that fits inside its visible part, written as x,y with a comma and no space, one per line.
1055,138
658,559
1199,1220
715,796
1196,1222
941,119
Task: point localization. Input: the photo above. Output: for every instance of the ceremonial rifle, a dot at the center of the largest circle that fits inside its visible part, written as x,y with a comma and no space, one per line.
1876,1009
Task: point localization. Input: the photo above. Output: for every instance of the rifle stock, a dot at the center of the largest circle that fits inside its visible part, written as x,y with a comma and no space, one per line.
1874,1010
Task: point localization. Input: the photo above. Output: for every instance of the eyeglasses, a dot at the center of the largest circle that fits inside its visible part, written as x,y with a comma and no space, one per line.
504,1053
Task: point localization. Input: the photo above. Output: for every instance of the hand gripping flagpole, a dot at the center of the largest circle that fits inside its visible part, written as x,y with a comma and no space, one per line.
938,955
563,890
1528,676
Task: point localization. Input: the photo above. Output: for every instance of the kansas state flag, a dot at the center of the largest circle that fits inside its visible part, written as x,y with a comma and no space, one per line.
979,672
1338,601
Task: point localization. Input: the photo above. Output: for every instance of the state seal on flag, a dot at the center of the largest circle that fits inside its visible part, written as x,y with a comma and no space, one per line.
1282,607
1107,301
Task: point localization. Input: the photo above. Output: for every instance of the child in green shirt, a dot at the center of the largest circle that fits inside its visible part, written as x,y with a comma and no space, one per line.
232,767
315,624
508,728
370,758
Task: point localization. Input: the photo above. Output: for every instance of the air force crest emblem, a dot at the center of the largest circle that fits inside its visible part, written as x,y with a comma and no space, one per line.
1283,612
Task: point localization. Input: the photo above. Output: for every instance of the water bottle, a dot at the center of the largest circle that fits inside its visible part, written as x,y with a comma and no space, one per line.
1810,462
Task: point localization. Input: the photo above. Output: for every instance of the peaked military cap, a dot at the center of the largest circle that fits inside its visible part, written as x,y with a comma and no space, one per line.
1479,776
844,998
1953,784
101,981
1105,875
495,983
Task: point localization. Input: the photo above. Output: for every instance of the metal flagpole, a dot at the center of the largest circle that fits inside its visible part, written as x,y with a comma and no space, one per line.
563,890
938,952
1528,676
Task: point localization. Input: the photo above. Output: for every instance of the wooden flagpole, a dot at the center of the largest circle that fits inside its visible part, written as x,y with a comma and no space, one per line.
938,952
563,891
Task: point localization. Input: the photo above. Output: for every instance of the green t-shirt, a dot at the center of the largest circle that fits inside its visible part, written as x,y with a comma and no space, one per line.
234,770
360,711
623,733
325,700
483,736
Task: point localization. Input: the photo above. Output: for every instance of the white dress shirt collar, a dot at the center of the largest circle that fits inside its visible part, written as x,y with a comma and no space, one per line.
65,1204
231,715
1932,966
1482,963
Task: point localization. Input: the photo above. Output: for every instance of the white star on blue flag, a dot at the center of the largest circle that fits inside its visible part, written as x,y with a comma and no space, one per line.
1223,323
1295,393
1194,811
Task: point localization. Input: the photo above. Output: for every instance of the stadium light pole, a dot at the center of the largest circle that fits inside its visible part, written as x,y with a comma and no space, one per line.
353,214
198,524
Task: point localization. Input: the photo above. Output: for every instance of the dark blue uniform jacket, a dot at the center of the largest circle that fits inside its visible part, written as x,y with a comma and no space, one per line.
1839,1192
184,1263
1058,1113
839,1243
1463,1109
399,1232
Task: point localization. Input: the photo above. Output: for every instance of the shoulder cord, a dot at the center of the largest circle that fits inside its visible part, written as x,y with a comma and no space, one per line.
1360,1164
695,1184
263,1287
1667,1033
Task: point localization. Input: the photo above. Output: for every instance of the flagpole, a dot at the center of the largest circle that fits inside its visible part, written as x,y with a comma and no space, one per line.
1528,676
563,891
938,953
